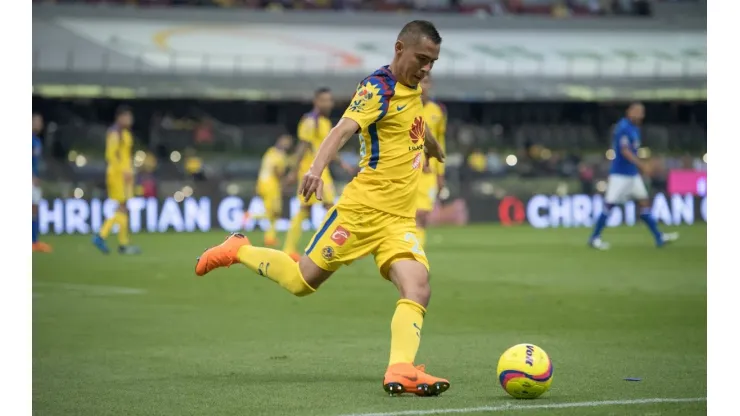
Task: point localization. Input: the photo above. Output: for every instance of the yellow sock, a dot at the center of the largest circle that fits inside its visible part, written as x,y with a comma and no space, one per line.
108,226
276,266
122,221
294,233
406,331
421,235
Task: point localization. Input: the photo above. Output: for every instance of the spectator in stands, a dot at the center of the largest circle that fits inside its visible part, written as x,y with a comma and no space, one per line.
203,133
194,165
477,160
494,162
586,176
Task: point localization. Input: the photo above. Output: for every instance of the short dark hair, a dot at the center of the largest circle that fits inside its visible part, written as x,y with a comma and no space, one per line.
122,109
321,90
418,29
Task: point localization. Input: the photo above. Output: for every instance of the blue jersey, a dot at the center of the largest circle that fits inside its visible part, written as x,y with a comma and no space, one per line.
625,134
36,156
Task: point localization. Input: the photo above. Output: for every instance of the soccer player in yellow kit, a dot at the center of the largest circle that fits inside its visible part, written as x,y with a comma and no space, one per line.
433,174
376,212
119,179
269,186
312,129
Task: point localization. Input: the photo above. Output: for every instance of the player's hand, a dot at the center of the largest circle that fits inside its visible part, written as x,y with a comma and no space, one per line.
432,149
128,177
310,185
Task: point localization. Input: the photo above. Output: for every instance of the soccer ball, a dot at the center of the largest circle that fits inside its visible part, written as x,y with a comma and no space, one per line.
525,371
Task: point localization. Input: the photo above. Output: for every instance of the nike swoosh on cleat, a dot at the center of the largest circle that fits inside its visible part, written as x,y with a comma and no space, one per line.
414,378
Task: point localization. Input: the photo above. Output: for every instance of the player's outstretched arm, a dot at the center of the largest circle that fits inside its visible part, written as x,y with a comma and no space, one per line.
337,137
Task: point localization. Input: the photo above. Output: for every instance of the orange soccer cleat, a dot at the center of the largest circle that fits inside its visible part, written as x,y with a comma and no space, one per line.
222,255
295,256
41,247
405,378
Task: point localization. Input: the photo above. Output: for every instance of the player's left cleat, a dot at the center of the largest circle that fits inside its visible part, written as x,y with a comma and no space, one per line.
271,242
222,255
405,378
39,247
295,256
128,250
668,238
599,244
100,244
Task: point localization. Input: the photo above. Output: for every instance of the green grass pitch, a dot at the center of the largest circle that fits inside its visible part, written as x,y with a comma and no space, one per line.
143,336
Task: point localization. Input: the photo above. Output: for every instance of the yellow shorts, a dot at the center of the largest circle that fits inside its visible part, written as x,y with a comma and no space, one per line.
426,194
352,230
117,188
330,193
272,198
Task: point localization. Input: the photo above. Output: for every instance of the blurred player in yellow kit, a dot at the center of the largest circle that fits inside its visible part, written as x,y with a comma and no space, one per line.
119,180
312,129
269,186
376,212
433,174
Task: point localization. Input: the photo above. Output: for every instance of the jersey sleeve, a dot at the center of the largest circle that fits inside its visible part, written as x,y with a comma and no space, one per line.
307,129
112,149
370,102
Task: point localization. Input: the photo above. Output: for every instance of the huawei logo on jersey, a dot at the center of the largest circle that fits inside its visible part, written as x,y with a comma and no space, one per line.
417,130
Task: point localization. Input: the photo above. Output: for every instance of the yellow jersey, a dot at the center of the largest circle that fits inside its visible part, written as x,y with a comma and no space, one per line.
435,116
312,129
118,148
272,168
392,130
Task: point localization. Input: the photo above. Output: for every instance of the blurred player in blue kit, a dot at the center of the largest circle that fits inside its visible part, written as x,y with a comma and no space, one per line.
625,180
37,128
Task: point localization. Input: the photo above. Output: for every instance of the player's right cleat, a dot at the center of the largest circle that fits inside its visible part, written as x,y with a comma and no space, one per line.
271,242
295,256
40,247
667,238
222,255
405,378
599,244
101,245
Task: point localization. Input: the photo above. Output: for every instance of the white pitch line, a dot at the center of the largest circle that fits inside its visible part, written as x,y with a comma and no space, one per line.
511,407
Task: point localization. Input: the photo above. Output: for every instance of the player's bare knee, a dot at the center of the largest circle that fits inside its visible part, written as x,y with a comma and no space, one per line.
312,274
412,280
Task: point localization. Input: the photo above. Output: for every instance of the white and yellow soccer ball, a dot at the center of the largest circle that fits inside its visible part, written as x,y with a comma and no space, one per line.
525,371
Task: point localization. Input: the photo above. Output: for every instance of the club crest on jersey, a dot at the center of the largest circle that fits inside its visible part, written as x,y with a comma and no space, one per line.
327,253
417,161
417,130
340,235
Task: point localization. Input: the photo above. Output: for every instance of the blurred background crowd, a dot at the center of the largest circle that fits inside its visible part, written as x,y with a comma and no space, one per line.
545,133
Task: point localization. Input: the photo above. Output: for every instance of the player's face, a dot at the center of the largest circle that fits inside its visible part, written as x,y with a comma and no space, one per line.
415,60
324,102
126,120
284,142
426,86
637,113
38,123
